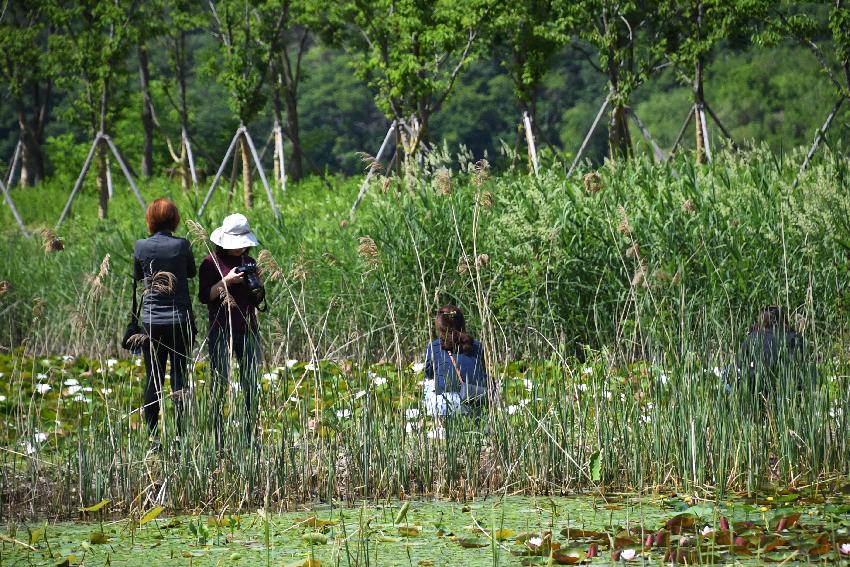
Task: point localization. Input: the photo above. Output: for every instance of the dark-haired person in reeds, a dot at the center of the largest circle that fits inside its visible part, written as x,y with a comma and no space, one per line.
232,311
773,358
455,372
165,263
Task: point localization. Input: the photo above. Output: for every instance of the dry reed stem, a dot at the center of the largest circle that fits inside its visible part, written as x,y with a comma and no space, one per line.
197,233
51,241
368,251
625,227
269,268
481,172
163,283
443,181
592,182
689,207
372,164
5,287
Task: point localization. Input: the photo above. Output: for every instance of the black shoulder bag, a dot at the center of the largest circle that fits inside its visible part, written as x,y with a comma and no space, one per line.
134,334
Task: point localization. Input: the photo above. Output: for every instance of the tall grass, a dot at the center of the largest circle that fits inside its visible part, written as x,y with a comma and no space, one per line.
616,296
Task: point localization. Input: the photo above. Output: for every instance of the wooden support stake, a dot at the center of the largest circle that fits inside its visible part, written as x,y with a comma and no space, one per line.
819,136
369,173
13,166
278,143
529,139
261,171
719,124
79,183
587,137
682,131
656,150
8,198
705,143
227,155
108,178
126,171
185,136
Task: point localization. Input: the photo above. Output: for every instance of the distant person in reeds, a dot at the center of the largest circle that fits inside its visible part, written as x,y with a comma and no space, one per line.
232,316
455,372
772,352
165,263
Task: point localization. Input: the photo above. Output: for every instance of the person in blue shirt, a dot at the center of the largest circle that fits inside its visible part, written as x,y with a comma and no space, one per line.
455,372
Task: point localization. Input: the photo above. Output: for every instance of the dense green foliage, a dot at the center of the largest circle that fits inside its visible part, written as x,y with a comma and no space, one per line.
623,257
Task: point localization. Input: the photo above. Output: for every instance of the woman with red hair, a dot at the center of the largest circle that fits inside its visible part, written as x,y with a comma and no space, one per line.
164,262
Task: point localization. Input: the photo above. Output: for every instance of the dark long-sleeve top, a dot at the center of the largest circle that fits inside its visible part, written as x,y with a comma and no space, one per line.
213,268
163,252
440,368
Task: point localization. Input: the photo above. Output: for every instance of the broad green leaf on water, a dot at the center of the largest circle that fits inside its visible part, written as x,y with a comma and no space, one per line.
37,535
470,543
151,515
235,556
315,522
97,538
503,534
402,513
68,561
314,538
596,466
389,539
305,563
409,531
569,556
96,507
193,553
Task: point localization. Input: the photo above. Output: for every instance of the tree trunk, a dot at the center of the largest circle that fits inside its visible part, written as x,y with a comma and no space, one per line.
32,158
246,174
147,113
619,141
277,123
699,96
185,174
102,185
296,170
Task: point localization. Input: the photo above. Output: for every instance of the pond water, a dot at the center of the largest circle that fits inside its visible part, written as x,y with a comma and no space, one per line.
790,527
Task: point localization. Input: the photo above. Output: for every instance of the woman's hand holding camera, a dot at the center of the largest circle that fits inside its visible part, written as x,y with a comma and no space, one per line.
232,278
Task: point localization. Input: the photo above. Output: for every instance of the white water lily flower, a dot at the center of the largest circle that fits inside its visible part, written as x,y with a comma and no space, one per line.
67,358
587,370
582,387
41,376
234,385
718,372
2,375
663,378
835,412
81,398
87,389
410,427
291,362
343,413
535,541
379,381
294,399
270,376
628,554
138,362
71,382
2,398
645,418
845,549
359,394
101,370
43,388
523,403
40,437
418,367
311,366
707,530
110,362
411,413
512,409
106,391
28,448
71,390
527,383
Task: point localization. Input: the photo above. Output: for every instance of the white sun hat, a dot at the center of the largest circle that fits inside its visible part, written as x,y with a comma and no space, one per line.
234,233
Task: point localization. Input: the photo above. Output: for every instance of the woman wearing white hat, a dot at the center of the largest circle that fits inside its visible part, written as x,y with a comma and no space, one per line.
232,315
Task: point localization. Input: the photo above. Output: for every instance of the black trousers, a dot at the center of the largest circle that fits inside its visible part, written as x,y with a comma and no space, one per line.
246,351
166,342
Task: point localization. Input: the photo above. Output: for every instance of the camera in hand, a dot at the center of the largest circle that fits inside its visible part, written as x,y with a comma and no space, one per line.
252,280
